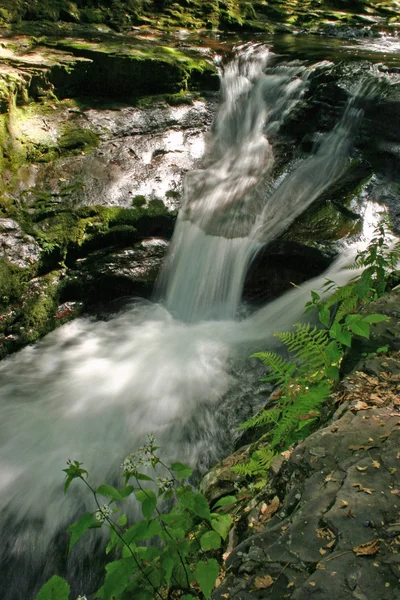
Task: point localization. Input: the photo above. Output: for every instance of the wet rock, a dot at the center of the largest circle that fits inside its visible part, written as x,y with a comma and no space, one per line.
105,276
281,265
344,500
16,246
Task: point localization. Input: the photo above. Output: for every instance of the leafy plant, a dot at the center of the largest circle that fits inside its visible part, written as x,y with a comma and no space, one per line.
308,376
186,538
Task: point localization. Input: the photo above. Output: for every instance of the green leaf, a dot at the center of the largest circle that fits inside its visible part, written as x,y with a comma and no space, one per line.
78,529
201,507
333,373
122,520
143,477
182,471
361,328
206,575
210,540
324,316
227,500
148,500
142,531
127,491
376,318
168,564
341,335
55,589
333,352
110,492
118,575
222,524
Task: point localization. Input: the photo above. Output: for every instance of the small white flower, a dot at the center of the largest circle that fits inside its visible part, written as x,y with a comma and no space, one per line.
104,512
164,483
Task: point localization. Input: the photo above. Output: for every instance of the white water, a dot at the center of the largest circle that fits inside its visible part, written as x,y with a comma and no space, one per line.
91,390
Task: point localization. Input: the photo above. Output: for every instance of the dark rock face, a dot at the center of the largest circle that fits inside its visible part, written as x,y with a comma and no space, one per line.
16,246
334,530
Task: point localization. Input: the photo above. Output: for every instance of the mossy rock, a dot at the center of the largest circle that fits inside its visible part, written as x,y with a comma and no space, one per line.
75,139
322,225
13,282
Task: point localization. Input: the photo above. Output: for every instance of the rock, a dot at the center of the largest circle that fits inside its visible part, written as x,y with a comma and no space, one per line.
104,276
343,502
16,246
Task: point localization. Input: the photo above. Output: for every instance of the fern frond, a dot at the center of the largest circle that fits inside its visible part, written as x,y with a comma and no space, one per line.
307,344
281,370
258,464
348,305
263,418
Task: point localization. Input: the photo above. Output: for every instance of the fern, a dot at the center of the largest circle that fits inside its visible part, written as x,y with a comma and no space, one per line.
306,380
281,370
258,464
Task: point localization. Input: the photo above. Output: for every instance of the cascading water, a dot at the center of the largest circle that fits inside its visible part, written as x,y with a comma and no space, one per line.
91,390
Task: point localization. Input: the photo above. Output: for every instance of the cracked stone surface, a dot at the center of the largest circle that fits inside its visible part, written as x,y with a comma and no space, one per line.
338,490
16,246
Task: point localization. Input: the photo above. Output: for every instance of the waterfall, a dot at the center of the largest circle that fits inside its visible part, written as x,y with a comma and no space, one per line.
91,390
227,214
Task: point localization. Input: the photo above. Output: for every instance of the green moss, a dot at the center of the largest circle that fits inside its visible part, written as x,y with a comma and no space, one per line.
326,224
138,201
75,139
13,282
39,310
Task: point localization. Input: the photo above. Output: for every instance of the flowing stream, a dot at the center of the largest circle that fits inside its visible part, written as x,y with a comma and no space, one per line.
176,367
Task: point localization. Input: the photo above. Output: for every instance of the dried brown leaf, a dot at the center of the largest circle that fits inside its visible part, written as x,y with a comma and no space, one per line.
376,464
267,510
262,583
361,468
367,549
395,492
344,504
361,488
322,551
359,405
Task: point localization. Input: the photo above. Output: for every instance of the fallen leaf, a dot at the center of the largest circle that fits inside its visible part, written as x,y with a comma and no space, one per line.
370,439
329,478
322,551
313,583
361,406
267,510
395,492
398,455
331,544
344,504
311,415
367,549
290,585
262,583
375,564
361,468
385,435
361,488
286,454
376,464
321,566
333,573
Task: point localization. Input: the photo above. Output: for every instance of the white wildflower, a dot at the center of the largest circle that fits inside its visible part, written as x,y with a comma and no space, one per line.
164,483
104,512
